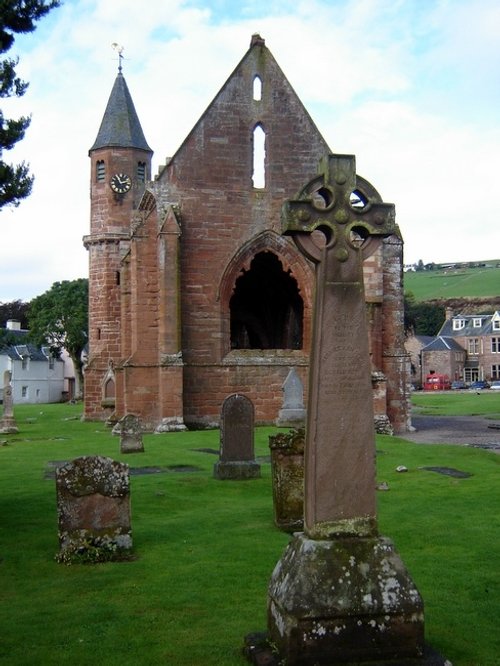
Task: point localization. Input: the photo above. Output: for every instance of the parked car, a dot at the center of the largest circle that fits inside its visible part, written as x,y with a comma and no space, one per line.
458,384
495,385
479,385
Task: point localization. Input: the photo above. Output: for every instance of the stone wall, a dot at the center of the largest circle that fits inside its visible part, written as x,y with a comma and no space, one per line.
166,325
108,243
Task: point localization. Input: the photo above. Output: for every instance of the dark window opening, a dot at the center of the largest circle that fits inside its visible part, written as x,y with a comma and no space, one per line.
100,171
141,171
266,308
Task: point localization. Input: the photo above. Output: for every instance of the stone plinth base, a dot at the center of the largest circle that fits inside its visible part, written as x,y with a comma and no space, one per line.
236,470
130,445
8,426
291,418
259,651
344,600
173,424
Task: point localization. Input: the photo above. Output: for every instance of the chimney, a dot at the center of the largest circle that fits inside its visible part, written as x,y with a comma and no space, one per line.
13,325
257,40
448,314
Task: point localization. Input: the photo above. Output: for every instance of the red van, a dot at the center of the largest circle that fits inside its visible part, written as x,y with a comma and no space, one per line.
437,382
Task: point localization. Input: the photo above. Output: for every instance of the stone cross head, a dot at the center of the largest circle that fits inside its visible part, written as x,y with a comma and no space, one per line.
332,204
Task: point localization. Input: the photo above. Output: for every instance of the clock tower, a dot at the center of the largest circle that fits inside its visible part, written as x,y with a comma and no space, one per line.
120,168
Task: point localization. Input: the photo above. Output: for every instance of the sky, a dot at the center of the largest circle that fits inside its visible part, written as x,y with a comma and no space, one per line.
410,87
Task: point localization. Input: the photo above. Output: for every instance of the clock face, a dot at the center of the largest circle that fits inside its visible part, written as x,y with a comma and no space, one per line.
120,183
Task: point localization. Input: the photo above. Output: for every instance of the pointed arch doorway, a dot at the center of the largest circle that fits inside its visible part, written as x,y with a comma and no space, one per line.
266,309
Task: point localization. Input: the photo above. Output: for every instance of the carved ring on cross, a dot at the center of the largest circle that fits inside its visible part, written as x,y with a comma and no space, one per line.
342,211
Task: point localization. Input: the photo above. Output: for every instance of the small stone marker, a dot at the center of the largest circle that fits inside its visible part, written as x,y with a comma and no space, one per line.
130,431
287,473
292,414
7,422
340,593
93,507
237,457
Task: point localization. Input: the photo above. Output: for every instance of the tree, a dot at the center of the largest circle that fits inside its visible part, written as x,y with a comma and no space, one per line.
409,304
17,310
8,338
422,318
16,16
59,318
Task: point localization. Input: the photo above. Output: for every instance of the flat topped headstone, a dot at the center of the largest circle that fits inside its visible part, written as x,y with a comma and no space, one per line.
93,507
287,474
237,457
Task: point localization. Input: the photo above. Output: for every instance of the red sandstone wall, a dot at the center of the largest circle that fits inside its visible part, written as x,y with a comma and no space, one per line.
208,386
107,243
179,274
396,360
211,178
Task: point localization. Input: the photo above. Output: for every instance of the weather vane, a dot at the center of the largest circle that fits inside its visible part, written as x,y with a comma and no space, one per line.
119,49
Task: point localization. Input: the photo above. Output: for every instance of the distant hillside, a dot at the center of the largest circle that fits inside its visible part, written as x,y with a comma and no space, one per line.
476,287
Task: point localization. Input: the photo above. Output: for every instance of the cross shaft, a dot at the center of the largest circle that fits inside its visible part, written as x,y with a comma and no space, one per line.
339,494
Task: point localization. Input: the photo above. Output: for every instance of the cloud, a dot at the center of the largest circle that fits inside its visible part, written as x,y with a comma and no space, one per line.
394,82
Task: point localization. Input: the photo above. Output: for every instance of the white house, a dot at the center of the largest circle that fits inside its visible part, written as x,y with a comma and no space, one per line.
36,376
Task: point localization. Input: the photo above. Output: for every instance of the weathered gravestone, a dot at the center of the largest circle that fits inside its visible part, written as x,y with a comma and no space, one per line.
292,413
237,458
130,431
7,422
93,507
340,592
287,473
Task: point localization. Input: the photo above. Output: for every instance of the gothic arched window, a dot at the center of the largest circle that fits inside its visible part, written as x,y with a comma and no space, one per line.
257,88
259,158
266,309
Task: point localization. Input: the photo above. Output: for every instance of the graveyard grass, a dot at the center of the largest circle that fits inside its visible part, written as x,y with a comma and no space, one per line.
204,549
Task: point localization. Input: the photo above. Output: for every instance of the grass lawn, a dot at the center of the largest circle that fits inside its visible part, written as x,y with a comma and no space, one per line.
205,549
480,282
450,403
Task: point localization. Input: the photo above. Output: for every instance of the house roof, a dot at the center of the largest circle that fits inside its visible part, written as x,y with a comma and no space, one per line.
18,352
120,125
424,339
442,343
473,325
20,347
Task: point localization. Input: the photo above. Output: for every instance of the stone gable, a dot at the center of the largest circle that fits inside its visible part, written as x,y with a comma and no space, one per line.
200,295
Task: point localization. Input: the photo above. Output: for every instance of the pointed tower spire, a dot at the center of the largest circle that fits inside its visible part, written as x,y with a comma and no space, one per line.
120,125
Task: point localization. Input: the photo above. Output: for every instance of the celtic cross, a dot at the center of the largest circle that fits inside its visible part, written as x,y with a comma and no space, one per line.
339,497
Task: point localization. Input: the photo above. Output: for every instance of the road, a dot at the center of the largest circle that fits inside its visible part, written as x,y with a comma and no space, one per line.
475,431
